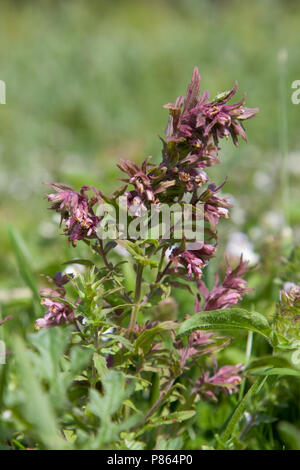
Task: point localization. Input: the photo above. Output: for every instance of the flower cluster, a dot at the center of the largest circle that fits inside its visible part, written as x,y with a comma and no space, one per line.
287,318
59,310
194,129
76,210
191,145
229,292
290,295
148,182
197,121
200,343
215,207
226,378
193,260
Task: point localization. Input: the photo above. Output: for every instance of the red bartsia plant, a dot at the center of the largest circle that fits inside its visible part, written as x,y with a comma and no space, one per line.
103,303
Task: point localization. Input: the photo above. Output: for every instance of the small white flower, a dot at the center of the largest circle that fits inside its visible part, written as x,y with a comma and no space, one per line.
273,220
121,251
168,252
237,214
239,244
6,414
262,181
288,285
47,229
106,332
293,163
287,233
256,233
74,269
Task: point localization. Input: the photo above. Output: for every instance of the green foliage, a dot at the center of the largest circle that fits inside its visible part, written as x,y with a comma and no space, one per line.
94,388
36,407
227,436
229,319
290,434
24,265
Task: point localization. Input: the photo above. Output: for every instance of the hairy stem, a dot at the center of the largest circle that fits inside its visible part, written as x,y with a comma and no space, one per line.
103,254
159,278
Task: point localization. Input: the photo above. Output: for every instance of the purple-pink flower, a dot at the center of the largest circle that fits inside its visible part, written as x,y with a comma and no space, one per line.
229,292
193,260
200,343
226,378
76,210
57,313
149,183
198,121
138,177
58,310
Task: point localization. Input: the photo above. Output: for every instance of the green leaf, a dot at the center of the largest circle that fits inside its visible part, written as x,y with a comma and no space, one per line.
23,260
268,361
70,435
120,339
50,343
140,382
128,442
100,364
137,253
84,262
170,444
290,434
131,405
277,371
171,418
36,407
238,412
145,340
114,394
230,319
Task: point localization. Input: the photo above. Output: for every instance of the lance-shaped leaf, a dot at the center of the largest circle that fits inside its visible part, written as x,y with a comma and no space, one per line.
25,266
227,319
238,412
36,408
144,341
277,371
171,418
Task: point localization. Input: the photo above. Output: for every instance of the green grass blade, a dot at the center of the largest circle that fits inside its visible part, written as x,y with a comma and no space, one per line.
24,265
237,414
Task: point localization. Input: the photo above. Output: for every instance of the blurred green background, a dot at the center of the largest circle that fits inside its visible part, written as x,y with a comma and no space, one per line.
85,85
86,81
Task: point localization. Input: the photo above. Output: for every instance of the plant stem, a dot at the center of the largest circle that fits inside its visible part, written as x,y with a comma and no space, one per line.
103,254
94,371
160,398
247,360
159,277
137,297
238,412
